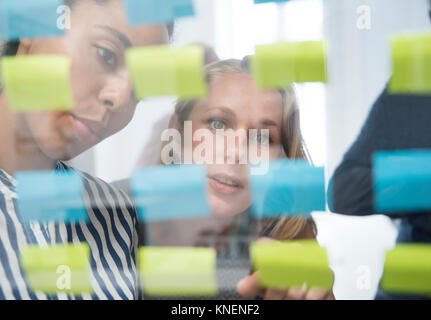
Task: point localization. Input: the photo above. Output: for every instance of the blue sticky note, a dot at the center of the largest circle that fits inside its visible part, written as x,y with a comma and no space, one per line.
183,8
291,187
51,196
157,11
402,180
170,192
29,19
148,11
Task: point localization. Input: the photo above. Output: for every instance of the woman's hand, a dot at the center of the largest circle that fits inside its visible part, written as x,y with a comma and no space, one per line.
249,287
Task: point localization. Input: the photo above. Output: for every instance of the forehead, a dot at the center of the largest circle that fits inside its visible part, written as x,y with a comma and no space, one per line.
86,15
239,93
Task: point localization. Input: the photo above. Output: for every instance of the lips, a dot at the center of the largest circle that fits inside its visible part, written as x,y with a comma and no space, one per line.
87,131
225,184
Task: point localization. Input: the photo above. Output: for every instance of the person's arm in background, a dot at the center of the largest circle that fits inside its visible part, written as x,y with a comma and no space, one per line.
395,122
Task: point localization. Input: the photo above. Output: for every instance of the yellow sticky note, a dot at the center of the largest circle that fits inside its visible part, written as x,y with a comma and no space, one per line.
178,271
61,268
411,64
408,269
279,65
190,76
164,71
37,82
292,264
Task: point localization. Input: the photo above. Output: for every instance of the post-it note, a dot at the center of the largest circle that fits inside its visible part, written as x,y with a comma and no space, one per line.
37,82
191,82
411,65
280,65
29,19
60,268
290,187
183,8
288,264
407,269
178,271
164,71
170,192
402,181
141,12
51,196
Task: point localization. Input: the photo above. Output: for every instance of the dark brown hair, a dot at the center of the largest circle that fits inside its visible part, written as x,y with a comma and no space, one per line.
10,48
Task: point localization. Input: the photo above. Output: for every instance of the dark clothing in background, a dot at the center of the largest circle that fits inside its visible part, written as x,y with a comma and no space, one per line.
395,122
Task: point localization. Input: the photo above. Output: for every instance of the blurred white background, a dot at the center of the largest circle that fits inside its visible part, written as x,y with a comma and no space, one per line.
332,114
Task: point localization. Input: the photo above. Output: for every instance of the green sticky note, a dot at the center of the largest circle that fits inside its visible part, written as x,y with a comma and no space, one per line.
164,71
288,264
411,64
61,268
408,269
280,65
178,271
37,82
153,71
190,76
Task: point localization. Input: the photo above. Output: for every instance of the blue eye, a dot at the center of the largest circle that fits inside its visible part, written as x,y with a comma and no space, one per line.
217,124
109,58
263,138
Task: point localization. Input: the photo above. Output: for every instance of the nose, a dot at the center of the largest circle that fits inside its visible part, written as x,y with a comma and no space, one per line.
236,147
116,92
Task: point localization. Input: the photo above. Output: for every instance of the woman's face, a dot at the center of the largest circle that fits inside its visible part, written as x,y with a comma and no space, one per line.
102,87
235,102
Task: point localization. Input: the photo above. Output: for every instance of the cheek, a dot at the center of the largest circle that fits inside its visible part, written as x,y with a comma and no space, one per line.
51,132
200,141
84,87
275,152
41,126
195,144
82,58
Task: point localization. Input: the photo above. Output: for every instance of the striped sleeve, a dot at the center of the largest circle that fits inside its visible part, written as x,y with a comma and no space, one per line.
111,234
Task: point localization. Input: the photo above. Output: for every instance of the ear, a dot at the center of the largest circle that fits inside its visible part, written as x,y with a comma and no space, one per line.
24,46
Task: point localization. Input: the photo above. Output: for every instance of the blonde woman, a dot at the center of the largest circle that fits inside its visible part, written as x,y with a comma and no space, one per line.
235,102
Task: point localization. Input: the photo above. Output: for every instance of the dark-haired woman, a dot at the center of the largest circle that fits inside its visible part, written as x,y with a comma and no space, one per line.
104,104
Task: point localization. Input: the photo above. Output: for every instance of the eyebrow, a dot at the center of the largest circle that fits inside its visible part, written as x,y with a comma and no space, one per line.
269,123
222,109
121,36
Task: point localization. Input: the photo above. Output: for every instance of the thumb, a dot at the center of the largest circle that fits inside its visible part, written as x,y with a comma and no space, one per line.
249,287
265,240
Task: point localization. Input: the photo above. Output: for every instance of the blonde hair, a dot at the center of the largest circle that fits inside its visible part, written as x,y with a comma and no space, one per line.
293,145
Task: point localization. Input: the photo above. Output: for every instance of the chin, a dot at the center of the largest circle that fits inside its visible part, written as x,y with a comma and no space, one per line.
60,151
225,209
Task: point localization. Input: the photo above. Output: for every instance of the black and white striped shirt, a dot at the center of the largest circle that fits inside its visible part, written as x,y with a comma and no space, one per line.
111,234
